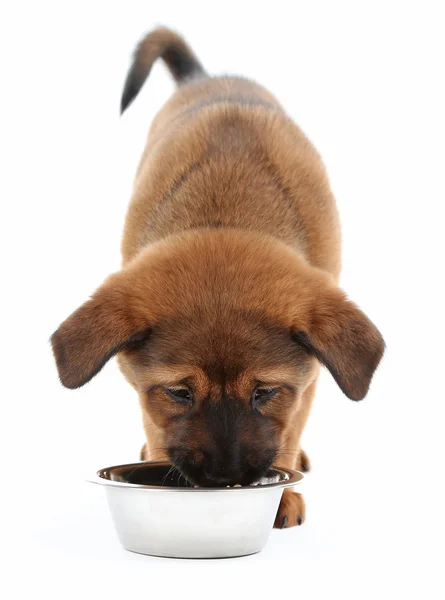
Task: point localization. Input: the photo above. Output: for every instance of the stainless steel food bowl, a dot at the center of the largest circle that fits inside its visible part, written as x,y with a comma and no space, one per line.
155,511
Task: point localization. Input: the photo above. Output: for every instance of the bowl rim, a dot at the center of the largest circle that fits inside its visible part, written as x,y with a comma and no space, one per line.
293,477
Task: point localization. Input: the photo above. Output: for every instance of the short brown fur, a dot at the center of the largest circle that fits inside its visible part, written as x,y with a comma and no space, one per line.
231,261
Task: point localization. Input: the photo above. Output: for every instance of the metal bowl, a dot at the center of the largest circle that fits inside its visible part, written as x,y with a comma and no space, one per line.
155,511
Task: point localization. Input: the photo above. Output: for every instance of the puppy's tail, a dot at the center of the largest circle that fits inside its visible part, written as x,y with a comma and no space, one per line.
176,54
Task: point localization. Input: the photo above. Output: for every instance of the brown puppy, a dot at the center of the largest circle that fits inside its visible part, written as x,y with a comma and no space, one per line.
227,301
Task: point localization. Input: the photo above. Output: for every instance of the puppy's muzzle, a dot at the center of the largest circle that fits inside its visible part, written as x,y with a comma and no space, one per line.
214,468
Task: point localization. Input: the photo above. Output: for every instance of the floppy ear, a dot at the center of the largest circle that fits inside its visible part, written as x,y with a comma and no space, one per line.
345,341
95,332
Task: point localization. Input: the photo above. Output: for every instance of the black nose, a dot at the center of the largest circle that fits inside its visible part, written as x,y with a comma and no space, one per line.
223,479
217,469
244,469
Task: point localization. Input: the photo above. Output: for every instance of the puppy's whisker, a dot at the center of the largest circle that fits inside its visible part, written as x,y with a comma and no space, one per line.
134,470
171,469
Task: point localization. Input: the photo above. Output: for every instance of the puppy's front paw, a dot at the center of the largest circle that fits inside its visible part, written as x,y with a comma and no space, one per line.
292,510
143,452
303,463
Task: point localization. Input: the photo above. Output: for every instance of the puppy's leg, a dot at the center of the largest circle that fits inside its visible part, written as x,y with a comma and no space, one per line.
143,452
292,509
303,463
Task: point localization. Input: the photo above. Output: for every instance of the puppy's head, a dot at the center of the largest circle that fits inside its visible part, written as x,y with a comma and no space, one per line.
221,334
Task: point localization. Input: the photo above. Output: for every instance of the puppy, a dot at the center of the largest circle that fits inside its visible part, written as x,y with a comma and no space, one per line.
227,302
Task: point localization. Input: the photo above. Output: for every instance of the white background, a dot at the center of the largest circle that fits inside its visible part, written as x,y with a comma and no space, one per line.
365,81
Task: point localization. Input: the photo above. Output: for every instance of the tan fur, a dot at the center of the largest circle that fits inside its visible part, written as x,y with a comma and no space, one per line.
231,246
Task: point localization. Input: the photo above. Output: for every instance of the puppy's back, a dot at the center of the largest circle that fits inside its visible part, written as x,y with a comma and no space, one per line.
223,153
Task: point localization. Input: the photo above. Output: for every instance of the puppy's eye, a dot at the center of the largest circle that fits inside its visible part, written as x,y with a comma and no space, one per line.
262,395
180,395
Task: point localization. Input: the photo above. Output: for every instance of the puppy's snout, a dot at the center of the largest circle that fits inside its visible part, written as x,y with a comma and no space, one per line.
213,467
220,470
239,467
184,456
